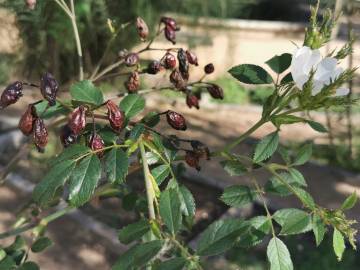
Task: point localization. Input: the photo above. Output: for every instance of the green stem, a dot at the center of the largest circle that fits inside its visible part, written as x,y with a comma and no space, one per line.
150,193
185,251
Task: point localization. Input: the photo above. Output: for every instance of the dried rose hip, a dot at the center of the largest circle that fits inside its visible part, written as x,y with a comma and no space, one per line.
170,22
115,115
11,94
192,58
200,149
67,137
27,120
30,4
209,68
96,143
192,101
169,61
154,67
192,159
142,28
131,59
49,88
177,80
170,34
176,120
77,120
215,91
183,64
133,82
40,135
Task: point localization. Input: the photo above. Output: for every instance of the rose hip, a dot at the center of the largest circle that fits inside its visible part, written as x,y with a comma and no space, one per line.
133,82
67,137
26,122
177,80
192,159
11,94
154,67
96,143
176,120
49,88
40,135
192,58
169,61
142,28
115,115
209,68
77,120
192,101
183,64
170,34
131,59
215,91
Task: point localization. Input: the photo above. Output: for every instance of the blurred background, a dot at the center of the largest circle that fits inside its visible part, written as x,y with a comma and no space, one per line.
223,32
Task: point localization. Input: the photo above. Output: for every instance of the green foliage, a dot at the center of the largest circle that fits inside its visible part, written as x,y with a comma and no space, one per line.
278,255
318,229
280,63
266,147
293,221
338,244
250,74
237,196
170,209
134,231
86,92
350,201
234,167
132,105
116,165
41,244
172,264
303,155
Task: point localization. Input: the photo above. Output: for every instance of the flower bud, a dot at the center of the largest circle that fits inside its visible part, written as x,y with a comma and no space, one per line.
169,61
209,68
77,120
96,143
200,149
177,80
176,120
67,137
40,135
115,115
192,58
142,28
192,159
154,67
49,88
27,120
170,22
131,59
183,64
215,91
30,4
192,101
133,82
170,35
11,94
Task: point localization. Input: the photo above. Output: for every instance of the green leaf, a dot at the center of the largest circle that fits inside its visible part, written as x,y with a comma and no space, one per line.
276,186
317,126
238,195
160,173
220,236
293,221
278,255
85,91
260,226
138,256
41,244
46,112
297,177
134,231
71,152
349,202
338,244
7,263
266,147
132,105
84,180
116,165
233,167
2,254
280,63
187,201
170,207
279,120
250,74
136,132
28,266
318,229
172,264
151,119
284,153
305,197
45,191
287,79
303,155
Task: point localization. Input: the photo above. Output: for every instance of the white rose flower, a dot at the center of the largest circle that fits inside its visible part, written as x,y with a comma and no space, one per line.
326,71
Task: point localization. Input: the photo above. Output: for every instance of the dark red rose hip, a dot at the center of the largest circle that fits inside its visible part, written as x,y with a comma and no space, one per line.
67,137
142,28
77,120
131,59
170,22
26,122
154,67
170,34
11,94
183,64
215,91
96,143
133,82
40,135
169,61
49,88
176,120
200,149
192,159
115,115
192,58
177,80
192,101
209,68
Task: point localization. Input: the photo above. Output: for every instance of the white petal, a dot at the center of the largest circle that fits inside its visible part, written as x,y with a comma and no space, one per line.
326,70
342,92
